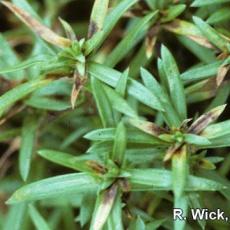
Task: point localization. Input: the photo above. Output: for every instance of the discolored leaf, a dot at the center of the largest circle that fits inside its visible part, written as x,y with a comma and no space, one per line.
80,163
103,207
189,30
37,27
211,34
203,121
147,127
98,15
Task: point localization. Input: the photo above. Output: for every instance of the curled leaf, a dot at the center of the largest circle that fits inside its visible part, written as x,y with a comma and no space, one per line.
37,27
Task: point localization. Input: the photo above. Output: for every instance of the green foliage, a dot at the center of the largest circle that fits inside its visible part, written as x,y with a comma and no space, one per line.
116,117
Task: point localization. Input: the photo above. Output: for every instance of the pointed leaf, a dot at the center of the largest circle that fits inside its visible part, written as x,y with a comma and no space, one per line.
196,140
109,23
211,34
133,136
103,104
179,170
97,17
38,219
103,207
170,115
199,3
80,163
130,40
175,85
17,93
147,127
27,145
120,143
135,89
119,103
203,121
57,186
37,27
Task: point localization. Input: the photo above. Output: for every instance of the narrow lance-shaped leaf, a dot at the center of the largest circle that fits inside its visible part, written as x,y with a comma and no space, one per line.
68,30
135,89
98,15
38,219
13,95
119,146
170,115
196,140
188,30
158,179
114,222
37,27
173,11
211,34
73,162
203,121
194,202
217,130
131,38
118,102
199,3
122,83
201,72
27,145
103,207
21,66
15,217
147,127
57,186
103,104
182,204
133,136
175,85
109,22
8,58
47,103
220,15
179,171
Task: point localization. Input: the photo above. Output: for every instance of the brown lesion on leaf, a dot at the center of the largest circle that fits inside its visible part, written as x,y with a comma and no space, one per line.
172,150
203,121
148,127
96,167
78,84
174,27
93,29
110,194
151,39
